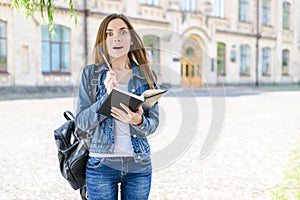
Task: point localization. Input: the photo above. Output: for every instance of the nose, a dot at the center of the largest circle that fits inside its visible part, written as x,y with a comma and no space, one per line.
117,38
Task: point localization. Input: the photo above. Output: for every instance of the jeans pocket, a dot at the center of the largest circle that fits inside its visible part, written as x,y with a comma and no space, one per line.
94,162
146,162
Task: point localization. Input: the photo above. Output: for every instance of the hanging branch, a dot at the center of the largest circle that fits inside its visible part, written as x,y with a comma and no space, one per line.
72,12
45,6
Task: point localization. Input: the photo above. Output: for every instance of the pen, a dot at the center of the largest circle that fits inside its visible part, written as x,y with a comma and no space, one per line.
106,61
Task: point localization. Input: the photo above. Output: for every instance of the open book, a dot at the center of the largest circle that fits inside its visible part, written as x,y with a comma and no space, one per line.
147,99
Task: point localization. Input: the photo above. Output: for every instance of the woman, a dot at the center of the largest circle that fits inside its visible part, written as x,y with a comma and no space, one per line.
119,150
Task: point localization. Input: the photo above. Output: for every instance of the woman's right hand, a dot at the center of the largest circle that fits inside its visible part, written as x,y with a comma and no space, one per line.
111,81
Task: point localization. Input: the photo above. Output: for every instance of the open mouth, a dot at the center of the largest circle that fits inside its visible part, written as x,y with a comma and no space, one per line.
118,47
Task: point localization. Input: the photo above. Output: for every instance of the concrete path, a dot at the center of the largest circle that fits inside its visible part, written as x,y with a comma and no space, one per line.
258,134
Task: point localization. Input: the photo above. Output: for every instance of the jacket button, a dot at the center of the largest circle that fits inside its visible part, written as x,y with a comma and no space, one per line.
132,90
138,157
134,135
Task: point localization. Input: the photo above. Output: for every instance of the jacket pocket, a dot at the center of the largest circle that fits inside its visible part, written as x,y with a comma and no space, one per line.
144,145
94,162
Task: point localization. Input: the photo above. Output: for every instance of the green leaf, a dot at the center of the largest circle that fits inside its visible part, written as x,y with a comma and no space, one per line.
72,12
16,4
28,7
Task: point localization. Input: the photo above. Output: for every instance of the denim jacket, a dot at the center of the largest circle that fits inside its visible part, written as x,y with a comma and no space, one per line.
102,127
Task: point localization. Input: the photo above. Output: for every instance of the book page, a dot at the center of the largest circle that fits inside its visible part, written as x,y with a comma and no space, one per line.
152,97
130,94
149,93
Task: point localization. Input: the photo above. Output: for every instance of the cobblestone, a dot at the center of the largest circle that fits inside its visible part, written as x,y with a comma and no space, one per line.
258,134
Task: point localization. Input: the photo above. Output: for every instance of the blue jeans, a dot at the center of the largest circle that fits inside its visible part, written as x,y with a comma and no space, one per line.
104,174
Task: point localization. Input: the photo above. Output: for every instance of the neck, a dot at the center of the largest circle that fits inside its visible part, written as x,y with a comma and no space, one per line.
119,63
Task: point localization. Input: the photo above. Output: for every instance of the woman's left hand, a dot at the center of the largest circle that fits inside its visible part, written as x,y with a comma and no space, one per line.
128,116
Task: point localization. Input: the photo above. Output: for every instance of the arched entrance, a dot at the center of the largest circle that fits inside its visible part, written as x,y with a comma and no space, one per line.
191,64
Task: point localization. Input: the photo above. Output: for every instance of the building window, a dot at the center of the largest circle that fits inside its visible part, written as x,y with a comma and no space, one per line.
188,5
193,71
266,12
186,70
56,50
218,8
244,60
285,62
286,15
150,2
266,59
152,45
189,51
198,71
221,59
3,53
244,10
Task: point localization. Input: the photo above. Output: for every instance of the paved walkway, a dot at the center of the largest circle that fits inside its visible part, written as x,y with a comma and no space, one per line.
257,137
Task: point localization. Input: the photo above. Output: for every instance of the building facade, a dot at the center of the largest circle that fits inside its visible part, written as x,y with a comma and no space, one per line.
189,42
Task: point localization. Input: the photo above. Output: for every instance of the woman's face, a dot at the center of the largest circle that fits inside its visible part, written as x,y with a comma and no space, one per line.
118,39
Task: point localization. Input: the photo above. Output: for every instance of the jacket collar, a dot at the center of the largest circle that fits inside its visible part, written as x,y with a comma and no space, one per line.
136,71
100,69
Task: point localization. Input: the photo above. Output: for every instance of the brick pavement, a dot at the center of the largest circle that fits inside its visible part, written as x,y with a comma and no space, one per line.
257,136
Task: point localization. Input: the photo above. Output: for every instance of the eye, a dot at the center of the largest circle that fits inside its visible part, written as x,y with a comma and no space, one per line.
123,32
109,34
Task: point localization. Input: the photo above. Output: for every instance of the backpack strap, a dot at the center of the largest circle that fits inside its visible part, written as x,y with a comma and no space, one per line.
83,193
68,115
94,83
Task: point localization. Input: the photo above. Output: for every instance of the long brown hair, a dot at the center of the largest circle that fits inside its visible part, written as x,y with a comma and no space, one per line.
137,52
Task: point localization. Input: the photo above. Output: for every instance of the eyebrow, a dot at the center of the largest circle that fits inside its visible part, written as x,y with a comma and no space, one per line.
123,28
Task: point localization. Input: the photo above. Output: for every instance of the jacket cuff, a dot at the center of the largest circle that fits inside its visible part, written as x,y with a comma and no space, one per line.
141,127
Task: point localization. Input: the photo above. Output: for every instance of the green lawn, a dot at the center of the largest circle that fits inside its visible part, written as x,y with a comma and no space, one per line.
289,188
7,97
279,88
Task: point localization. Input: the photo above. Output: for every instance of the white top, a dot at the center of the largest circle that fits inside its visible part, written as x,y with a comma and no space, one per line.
123,145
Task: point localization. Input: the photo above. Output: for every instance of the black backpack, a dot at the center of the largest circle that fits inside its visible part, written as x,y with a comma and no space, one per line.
73,146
